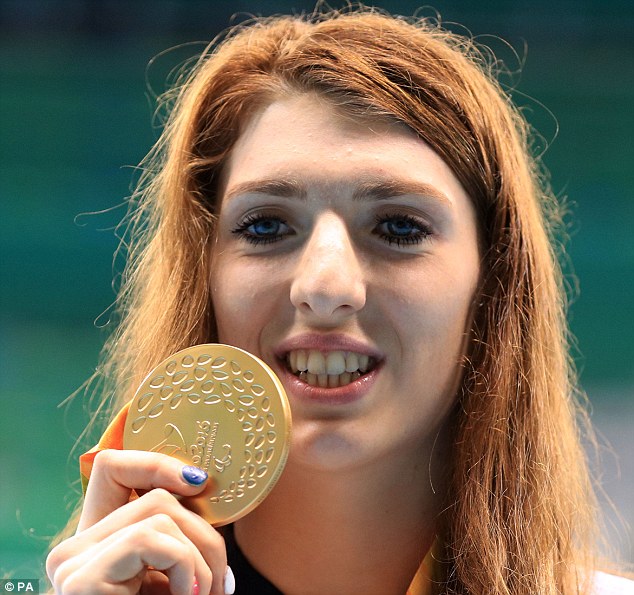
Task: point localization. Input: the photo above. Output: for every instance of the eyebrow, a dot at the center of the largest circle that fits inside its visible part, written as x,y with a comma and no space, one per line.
383,190
366,190
273,187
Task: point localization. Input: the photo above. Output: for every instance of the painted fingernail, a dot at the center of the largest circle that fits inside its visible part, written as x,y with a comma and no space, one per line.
196,588
230,582
193,475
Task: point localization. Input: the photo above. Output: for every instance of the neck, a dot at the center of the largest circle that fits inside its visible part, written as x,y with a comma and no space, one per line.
364,530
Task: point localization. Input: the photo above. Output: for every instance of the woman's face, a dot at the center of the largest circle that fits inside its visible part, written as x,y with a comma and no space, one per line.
347,259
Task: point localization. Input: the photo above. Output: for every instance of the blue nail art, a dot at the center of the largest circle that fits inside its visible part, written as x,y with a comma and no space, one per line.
193,475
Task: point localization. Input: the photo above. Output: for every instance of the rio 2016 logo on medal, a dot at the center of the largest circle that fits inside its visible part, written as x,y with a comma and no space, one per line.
221,409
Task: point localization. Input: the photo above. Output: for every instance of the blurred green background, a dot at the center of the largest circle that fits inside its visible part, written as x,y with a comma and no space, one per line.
75,112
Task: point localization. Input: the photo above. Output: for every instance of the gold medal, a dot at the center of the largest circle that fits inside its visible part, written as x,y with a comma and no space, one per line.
221,409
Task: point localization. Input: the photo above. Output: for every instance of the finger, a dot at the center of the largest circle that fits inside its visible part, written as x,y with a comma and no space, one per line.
122,559
120,566
206,539
116,473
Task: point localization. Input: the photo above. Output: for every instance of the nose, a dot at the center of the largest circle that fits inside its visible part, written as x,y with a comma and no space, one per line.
328,285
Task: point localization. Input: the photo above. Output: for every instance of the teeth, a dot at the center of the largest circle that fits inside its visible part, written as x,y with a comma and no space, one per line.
352,362
336,362
316,362
301,364
333,369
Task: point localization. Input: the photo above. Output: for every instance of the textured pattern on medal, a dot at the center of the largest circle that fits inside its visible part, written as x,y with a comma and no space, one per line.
219,383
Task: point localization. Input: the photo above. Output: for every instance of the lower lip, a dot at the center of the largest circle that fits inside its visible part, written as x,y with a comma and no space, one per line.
342,395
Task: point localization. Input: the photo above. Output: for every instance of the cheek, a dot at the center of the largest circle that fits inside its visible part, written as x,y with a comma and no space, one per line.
436,297
433,311
243,296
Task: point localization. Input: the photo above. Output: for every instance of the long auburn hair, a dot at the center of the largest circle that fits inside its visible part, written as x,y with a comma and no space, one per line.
519,516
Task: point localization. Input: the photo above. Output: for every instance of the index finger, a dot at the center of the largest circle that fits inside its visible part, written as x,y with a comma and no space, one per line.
116,473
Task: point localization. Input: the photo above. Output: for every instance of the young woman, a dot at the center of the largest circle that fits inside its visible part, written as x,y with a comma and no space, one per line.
356,184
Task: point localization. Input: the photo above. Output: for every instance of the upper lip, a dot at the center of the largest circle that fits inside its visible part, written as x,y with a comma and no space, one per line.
326,343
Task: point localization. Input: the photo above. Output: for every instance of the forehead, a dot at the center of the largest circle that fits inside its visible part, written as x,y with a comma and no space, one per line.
306,118
305,136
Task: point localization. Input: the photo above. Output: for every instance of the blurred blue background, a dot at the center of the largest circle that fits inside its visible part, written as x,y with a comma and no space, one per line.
75,112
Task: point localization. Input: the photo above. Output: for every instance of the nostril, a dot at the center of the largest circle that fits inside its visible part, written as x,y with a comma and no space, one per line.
315,293
325,307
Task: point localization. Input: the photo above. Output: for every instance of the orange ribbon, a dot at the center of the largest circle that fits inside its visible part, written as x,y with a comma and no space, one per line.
112,438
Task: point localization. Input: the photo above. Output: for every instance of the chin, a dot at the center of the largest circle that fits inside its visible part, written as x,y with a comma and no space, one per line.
327,448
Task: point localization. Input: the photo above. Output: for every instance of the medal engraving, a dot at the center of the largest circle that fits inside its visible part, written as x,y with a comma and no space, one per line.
223,410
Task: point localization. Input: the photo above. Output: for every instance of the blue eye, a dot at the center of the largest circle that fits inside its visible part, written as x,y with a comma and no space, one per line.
401,230
400,227
262,229
265,227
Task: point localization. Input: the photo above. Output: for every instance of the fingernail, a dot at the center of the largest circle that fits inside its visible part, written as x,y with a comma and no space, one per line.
195,588
193,475
230,582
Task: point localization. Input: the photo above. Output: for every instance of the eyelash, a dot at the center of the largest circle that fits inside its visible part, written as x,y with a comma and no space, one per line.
242,230
424,231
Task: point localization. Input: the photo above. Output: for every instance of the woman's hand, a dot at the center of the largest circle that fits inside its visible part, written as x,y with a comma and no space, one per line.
118,540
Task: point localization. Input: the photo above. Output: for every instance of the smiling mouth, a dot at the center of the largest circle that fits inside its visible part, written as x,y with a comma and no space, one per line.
328,370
